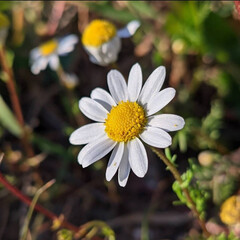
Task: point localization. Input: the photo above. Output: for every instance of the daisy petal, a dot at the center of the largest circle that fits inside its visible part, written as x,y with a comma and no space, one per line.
35,53
167,122
54,62
39,65
93,109
124,169
129,29
117,86
152,85
94,151
103,97
156,137
66,44
87,133
114,161
138,157
160,100
134,82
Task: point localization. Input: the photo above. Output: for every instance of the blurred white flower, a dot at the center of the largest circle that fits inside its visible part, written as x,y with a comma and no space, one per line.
102,41
123,118
70,80
4,26
49,52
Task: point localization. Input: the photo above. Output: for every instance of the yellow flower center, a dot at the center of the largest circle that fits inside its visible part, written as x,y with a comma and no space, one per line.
230,211
98,32
4,22
125,121
48,47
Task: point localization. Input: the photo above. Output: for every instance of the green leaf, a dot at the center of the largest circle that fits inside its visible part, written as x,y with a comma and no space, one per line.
168,154
8,120
10,57
142,8
107,10
52,148
6,5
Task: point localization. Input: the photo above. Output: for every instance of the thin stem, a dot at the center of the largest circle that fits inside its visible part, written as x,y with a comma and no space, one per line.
15,101
70,100
11,87
31,208
37,207
177,176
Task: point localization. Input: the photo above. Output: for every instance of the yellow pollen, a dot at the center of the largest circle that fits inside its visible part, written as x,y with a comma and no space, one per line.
48,47
98,32
125,121
4,22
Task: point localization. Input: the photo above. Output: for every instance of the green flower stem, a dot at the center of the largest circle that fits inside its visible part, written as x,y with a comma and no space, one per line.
177,176
61,74
15,101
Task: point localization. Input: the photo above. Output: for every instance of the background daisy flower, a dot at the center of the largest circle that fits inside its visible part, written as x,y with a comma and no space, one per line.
102,41
125,119
47,53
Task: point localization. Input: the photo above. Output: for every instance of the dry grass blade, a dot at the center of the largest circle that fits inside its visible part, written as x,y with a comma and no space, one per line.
24,231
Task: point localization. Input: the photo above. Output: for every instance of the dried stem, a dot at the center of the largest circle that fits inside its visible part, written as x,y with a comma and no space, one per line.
37,207
177,176
15,101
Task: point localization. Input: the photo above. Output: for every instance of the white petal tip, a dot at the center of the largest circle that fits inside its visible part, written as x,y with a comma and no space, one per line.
141,175
84,165
108,179
71,139
122,184
133,26
79,162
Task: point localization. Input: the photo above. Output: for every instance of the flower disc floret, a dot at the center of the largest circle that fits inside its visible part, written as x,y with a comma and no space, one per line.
48,47
98,32
125,121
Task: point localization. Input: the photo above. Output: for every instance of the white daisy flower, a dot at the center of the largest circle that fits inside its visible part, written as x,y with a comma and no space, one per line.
125,119
4,26
48,53
102,41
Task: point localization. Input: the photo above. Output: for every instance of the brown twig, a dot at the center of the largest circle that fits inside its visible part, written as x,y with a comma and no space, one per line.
15,101
37,207
177,176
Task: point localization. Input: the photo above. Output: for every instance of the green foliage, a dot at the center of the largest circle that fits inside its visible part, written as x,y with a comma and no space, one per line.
108,233
221,39
8,120
221,236
64,234
219,179
105,9
169,156
6,5
213,122
202,133
198,195
185,22
142,9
